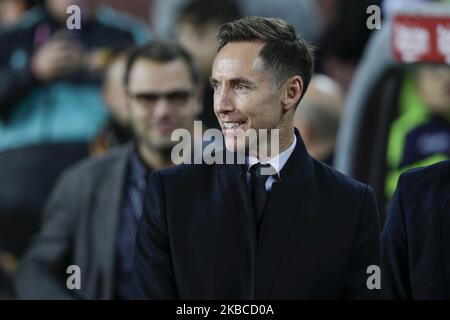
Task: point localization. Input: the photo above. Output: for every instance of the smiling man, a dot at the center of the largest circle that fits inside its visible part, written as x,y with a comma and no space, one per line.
245,92
92,216
304,232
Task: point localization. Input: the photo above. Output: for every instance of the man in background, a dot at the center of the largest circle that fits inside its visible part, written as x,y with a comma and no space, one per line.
415,243
12,11
117,130
92,215
50,76
319,115
197,25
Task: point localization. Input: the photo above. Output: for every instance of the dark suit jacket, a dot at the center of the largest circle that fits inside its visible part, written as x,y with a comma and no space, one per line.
79,228
416,236
197,237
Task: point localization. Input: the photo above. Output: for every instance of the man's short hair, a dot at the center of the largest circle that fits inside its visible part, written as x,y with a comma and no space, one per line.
162,52
285,53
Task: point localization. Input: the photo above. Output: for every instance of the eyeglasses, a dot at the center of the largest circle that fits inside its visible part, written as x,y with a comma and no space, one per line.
175,98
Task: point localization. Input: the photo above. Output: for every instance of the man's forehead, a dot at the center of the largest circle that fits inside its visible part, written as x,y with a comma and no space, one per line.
175,65
239,56
147,73
241,50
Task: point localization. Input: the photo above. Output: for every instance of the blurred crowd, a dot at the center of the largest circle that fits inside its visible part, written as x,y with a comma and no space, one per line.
70,98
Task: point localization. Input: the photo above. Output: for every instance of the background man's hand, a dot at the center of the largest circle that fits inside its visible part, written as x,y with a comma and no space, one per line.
56,58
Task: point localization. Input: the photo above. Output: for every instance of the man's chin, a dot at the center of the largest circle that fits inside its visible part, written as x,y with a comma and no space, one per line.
232,145
161,143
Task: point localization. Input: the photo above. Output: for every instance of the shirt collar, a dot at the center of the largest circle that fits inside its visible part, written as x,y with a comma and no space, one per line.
276,162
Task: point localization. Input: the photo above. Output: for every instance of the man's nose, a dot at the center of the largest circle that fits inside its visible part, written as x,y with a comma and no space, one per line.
223,102
162,108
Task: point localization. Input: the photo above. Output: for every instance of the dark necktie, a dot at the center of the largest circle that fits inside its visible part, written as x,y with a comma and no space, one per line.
258,188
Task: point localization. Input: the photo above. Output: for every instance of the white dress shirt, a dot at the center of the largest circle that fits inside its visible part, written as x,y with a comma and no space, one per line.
276,162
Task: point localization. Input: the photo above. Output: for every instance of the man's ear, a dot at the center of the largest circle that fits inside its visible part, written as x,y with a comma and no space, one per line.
292,93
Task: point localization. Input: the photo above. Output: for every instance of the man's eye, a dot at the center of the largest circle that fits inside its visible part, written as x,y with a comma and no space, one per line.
240,87
215,86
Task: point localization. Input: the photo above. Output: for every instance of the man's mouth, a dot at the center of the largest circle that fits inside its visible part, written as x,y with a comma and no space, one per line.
231,127
164,127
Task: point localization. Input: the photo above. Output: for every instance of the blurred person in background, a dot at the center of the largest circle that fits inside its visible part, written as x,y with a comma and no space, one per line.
432,137
337,27
420,135
50,104
50,76
305,15
117,130
415,243
318,117
197,25
12,11
92,215
344,38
